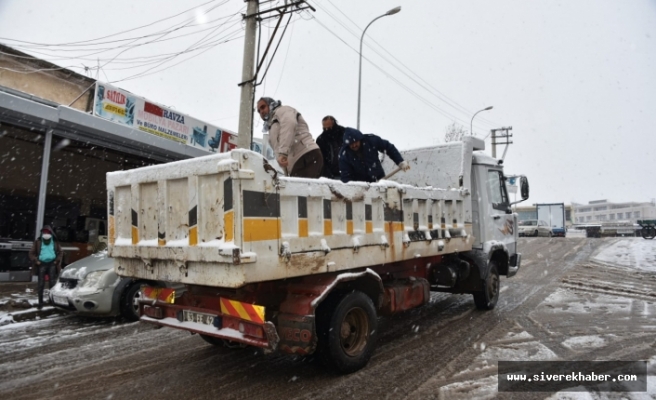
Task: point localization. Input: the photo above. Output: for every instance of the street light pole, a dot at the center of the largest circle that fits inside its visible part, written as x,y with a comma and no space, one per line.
390,12
471,125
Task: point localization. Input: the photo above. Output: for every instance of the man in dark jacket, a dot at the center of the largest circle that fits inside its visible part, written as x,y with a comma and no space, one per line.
358,158
46,256
330,142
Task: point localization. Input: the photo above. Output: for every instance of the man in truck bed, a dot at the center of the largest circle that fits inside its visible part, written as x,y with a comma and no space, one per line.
358,158
291,139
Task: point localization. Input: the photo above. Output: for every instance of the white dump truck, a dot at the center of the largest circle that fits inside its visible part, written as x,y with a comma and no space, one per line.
307,265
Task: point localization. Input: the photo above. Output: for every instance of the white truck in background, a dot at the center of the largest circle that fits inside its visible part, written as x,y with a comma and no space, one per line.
554,215
306,265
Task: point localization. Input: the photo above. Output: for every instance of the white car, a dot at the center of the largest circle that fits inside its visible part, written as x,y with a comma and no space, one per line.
534,227
90,287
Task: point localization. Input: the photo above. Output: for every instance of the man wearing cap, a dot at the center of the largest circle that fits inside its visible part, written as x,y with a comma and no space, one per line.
46,256
290,137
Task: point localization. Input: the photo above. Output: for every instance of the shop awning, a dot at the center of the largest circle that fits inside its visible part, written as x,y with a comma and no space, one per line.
41,115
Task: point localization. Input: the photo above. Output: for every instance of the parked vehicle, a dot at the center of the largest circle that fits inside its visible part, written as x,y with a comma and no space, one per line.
307,265
90,287
554,215
648,228
15,264
534,227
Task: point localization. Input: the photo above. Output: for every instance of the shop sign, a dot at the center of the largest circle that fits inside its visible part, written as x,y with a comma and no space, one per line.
125,108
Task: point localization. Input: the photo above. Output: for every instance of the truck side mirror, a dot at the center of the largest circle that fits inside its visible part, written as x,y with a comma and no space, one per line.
523,185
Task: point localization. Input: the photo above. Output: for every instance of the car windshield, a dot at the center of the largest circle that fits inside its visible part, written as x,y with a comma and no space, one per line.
528,223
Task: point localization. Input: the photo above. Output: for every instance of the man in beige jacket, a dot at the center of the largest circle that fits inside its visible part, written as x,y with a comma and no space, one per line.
289,135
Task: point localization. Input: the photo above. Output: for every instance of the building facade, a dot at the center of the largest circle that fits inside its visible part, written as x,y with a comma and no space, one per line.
604,211
55,150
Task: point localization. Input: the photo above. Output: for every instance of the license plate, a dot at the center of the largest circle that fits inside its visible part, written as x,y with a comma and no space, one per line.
199,318
61,300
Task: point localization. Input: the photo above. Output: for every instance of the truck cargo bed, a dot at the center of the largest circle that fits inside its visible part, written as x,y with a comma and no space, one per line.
230,219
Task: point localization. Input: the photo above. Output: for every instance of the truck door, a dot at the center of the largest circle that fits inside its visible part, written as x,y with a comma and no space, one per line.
503,224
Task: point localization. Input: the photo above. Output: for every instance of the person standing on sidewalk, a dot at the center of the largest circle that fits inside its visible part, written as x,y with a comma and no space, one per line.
46,256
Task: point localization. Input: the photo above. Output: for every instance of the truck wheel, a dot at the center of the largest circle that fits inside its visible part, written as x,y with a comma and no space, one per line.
487,298
215,341
346,328
129,302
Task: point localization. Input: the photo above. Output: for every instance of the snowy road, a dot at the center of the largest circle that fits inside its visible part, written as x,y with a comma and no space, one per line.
573,299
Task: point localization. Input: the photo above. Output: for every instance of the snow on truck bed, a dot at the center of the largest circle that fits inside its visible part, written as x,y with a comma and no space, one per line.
230,219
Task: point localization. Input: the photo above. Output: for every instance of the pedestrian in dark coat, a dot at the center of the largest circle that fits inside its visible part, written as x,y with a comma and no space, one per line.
46,256
358,158
330,142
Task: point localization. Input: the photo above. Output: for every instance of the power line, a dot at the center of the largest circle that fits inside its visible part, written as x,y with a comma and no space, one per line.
446,100
289,45
145,73
210,40
441,96
114,34
426,101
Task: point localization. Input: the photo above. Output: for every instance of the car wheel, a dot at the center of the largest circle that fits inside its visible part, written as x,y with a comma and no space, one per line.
130,302
487,298
536,234
346,329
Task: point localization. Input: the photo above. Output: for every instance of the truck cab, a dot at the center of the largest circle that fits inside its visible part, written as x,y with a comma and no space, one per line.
494,223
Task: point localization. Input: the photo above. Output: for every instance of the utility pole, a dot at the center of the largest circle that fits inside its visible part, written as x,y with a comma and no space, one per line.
249,74
504,135
245,129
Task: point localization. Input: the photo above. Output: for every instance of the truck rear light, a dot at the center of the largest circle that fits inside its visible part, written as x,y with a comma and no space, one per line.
244,328
153,312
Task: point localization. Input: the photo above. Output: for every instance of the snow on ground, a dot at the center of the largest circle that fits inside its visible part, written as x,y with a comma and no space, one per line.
17,303
479,380
648,395
563,300
635,252
585,342
575,233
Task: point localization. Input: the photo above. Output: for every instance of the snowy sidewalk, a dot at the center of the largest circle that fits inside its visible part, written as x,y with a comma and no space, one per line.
636,253
18,303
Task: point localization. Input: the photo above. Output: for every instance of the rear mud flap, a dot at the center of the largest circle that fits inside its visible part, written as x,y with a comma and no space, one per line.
296,334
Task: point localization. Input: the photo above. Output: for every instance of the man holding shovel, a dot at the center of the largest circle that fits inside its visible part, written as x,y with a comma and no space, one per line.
358,158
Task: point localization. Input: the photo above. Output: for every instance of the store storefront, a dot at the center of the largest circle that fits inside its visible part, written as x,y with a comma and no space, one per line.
61,133
53,161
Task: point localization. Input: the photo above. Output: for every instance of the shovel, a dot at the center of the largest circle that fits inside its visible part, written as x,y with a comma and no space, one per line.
391,173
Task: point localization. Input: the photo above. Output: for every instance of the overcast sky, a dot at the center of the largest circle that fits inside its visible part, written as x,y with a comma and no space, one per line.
576,79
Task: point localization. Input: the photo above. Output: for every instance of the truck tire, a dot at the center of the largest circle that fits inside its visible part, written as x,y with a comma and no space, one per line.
346,330
487,298
129,306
